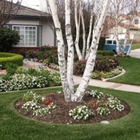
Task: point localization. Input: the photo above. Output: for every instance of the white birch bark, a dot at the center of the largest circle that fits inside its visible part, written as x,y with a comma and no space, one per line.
69,95
91,59
70,58
90,29
116,29
61,52
83,27
77,23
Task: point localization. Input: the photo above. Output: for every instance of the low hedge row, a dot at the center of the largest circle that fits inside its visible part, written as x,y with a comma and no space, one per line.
10,58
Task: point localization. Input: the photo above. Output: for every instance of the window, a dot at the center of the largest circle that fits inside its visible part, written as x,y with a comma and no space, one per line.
136,21
114,42
109,42
28,35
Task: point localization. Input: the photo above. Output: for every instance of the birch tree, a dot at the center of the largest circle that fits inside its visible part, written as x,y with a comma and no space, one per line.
66,67
123,13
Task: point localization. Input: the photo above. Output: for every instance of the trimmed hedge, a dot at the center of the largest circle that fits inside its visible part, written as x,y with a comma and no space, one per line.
105,53
10,58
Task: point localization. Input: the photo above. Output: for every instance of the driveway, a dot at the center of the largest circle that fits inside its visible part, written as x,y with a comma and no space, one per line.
135,53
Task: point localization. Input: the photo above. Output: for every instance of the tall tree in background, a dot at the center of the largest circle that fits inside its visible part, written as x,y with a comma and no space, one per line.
66,67
8,9
122,12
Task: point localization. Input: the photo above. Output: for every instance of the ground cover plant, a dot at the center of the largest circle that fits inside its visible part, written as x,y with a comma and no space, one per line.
14,126
95,107
132,68
29,78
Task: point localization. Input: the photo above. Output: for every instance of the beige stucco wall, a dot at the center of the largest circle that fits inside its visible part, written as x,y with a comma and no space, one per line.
47,34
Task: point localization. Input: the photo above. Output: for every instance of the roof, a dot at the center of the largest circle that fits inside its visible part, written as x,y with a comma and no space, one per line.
133,27
26,12
31,13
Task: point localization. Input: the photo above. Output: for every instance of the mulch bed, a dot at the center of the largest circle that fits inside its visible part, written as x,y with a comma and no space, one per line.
60,115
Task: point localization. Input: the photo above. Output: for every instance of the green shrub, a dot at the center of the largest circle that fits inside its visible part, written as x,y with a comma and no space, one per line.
31,54
46,48
8,38
10,58
11,68
79,67
49,55
104,64
105,53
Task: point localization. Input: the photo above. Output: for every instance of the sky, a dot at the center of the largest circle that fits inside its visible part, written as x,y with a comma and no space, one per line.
31,3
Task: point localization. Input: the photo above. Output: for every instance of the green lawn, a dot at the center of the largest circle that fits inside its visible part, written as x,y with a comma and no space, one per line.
132,75
13,126
135,46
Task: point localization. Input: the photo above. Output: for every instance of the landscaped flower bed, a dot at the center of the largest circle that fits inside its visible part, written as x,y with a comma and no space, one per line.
29,78
96,106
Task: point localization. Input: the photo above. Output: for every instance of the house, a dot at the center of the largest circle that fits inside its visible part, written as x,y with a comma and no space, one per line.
35,28
134,28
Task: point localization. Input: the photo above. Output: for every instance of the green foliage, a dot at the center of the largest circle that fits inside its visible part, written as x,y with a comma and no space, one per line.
81,113
8,38
11,68
31,54
79,67
10,58
99,75
105,53
29,78
103,64
106,64
30,129
103,111
45,54
28,96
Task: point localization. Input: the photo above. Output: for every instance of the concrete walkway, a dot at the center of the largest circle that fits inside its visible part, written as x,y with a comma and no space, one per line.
135,53
110,85
98,83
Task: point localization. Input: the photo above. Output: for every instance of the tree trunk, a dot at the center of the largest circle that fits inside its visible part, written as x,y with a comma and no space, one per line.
83,27
65,78
61,52
92,57
70,58
90,30
77,23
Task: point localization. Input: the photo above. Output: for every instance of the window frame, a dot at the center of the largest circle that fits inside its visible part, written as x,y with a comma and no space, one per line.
25,42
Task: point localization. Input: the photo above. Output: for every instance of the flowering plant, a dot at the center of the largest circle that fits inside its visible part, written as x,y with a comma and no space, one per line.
47,102
52,95
92,104
30,105
103,111
80,113
96,94
114,103
45,110
32,96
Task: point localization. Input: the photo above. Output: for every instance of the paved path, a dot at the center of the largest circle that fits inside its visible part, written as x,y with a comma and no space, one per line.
98,83
110,85
135,53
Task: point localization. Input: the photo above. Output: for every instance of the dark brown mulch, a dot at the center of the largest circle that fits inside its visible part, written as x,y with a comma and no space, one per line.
60,115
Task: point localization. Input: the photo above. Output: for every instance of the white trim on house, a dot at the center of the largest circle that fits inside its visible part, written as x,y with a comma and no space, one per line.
28,35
